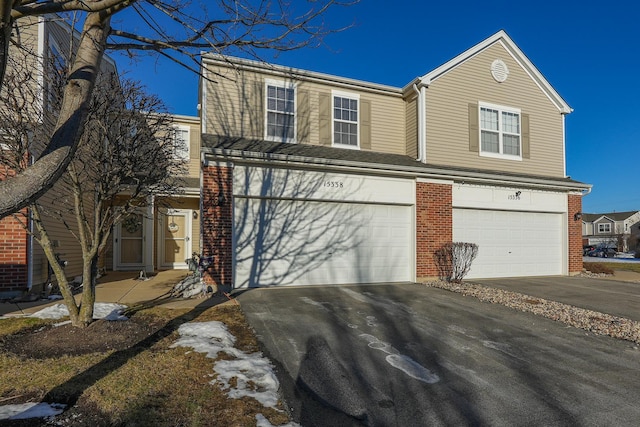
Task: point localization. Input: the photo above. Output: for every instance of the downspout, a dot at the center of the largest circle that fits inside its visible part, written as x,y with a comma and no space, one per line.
422,126
30,243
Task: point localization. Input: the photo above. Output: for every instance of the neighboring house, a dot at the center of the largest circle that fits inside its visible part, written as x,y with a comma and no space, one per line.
162,236
309,178
167,231
613,229
43,41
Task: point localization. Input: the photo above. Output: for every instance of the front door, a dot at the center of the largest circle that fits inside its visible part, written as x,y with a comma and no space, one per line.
175,238
129,243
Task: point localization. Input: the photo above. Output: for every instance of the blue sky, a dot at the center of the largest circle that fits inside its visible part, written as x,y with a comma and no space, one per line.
589,53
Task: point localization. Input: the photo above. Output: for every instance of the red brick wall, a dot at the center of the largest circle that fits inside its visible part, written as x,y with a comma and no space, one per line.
217,223
13,255
575,234
434,225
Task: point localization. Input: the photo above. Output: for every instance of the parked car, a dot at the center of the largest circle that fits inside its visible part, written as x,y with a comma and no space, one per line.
588,248
603,252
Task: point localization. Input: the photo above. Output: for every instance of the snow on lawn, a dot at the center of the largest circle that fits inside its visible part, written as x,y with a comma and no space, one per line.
107,311
30,410
254,373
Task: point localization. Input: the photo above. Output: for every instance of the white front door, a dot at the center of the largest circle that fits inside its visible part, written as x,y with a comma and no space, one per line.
175,238
129,243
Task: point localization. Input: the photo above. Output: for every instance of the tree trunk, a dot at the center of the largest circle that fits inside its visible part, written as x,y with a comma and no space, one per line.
89,274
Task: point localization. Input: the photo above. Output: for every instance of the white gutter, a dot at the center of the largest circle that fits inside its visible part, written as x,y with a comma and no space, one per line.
422,123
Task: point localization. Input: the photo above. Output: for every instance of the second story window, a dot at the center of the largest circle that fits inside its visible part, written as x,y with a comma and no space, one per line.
281,112
345,119
500,131
181,142
604,228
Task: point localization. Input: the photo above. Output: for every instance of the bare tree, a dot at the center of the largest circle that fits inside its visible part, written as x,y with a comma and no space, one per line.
127,154
223,26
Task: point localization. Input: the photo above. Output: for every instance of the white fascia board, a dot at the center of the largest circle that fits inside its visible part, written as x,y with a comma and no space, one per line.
237,156
515,52
283,72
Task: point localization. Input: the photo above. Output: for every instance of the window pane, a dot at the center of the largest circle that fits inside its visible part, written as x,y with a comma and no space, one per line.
488,119
511,145
490,142
510,122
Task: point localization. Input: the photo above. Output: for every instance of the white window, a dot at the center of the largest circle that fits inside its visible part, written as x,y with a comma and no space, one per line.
181,139
345,119
281,111
500,132
604,228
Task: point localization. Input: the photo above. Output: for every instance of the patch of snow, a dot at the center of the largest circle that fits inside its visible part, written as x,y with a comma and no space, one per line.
107,311
254,373
400,361
30,410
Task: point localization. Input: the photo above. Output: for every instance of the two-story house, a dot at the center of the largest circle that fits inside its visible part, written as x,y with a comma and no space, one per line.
612,229
309,178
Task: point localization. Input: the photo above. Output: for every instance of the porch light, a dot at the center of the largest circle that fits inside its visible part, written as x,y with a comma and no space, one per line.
577,216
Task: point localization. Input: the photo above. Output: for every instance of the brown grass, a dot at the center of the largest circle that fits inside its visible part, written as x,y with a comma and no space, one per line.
146,384
599,267
624,266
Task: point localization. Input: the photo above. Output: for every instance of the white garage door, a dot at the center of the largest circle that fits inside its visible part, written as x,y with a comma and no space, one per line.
511,243
288,242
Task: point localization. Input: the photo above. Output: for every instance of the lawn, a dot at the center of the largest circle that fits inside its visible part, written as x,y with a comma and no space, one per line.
125,373
628,266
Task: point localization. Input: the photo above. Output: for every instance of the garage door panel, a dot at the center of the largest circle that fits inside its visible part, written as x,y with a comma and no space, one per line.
305,243
511,243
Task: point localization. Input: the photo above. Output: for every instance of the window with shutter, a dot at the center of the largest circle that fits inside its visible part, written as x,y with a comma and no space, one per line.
346,119
280,111
500,131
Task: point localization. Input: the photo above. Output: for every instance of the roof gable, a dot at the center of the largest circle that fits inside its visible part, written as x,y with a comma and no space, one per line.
611,216
514,51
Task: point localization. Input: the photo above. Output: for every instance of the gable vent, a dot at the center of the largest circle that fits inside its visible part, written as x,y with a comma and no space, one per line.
499,70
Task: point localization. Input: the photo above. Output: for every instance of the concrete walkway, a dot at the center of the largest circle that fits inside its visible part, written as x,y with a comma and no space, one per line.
125,288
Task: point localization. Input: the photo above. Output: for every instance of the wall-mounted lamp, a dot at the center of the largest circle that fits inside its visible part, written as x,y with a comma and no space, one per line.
195,214
218,200
577,216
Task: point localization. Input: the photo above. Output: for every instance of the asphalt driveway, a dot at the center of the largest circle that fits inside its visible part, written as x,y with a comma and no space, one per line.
605,295
409,355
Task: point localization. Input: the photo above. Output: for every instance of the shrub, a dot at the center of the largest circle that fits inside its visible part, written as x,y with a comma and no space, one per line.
597,268
454,260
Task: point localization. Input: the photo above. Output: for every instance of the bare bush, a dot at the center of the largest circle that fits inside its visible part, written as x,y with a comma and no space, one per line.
454,260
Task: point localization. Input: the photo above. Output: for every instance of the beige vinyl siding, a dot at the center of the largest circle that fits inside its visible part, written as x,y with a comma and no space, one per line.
64,241
193,123
411,108
234,107
448,99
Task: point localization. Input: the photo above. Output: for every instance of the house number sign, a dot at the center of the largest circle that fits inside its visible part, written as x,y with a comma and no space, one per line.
515,196
333,184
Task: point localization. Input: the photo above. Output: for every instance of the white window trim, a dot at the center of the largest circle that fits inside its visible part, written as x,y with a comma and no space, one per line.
349,95
602,224
501,109
187,155
286,85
